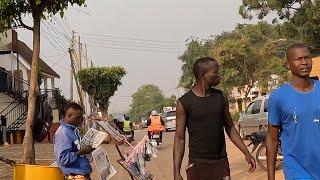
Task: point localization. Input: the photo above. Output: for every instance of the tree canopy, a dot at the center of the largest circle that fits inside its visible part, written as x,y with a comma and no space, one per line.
147,98
249,54
101,83
170,101
300,19
13,11
196,48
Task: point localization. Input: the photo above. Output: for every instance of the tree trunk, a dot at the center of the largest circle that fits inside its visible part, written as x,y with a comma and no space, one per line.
104,112
28,143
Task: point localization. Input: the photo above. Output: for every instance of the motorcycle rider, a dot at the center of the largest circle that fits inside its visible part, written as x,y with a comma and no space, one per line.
128,126
155,123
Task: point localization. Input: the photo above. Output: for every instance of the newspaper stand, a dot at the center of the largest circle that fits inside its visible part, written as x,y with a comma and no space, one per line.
125,162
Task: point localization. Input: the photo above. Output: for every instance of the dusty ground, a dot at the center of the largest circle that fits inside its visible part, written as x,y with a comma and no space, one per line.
161,168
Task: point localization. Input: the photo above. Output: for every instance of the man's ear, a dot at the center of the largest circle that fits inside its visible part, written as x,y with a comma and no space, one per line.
202,74
287,65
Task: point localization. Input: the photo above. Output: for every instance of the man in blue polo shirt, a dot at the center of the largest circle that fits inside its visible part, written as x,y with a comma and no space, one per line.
294,114
68,154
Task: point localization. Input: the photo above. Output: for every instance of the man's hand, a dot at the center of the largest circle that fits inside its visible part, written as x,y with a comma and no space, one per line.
178,177
85,150
251,162
96,118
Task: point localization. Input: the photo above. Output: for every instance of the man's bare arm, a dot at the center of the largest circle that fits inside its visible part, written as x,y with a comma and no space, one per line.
272,148
179,141
234,136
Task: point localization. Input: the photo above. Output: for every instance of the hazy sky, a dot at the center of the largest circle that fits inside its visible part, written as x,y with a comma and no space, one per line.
163,25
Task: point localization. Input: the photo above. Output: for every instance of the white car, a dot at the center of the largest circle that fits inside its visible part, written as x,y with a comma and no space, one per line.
255,118
169,119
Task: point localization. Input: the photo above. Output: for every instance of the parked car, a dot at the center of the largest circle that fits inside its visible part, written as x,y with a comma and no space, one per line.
169,118
255,118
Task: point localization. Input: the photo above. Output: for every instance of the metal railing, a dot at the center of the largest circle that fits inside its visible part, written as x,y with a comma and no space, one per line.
19,114
21,98
16,110
15,84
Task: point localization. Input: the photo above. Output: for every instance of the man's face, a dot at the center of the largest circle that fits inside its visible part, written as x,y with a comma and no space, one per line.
212,75
299,61
73,117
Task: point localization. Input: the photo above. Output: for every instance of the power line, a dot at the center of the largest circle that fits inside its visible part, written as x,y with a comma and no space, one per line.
59,60
68,24
84,12
41,53
136,46
138,43
137,39
58,34
132,49
58,45
61,28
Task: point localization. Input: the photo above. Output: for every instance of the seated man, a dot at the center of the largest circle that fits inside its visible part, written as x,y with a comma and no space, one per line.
155,123
68,154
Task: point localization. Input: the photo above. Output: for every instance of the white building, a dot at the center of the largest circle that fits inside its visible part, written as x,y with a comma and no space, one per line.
15,68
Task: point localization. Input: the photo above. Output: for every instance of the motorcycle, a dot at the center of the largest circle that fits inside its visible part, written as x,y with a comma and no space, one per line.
155,138
258,140
129,137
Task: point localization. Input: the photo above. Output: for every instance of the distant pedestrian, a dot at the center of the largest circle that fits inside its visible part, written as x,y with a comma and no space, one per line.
3,126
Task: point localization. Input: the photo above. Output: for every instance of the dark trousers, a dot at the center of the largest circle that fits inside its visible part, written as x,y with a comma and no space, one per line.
205,169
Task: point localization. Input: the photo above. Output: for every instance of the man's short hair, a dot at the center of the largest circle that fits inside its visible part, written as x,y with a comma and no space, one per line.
74,106
200,65
295,46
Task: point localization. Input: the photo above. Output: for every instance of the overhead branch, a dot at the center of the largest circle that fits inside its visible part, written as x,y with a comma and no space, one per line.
21,23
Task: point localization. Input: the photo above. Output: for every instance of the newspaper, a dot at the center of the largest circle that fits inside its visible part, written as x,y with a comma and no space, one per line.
93,138
111,130
102,162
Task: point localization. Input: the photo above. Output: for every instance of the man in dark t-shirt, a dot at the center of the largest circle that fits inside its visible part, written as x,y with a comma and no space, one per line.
204,111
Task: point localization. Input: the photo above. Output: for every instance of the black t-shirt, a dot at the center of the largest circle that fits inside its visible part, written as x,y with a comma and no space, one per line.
205,118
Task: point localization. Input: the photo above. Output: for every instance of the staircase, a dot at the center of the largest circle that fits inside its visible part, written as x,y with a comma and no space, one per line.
16,112
13,102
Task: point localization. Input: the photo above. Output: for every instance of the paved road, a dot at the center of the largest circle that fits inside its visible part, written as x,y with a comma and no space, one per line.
161,167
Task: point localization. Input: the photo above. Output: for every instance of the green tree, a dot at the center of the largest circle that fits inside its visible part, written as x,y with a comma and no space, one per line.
248,55
195,49
170,102
60,101
148,97
11,13
101,83
301,18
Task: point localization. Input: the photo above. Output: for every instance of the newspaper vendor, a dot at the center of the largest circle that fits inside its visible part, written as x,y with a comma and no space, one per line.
68,154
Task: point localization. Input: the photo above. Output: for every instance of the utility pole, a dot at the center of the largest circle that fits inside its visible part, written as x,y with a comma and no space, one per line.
71,71
74,71
86,55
